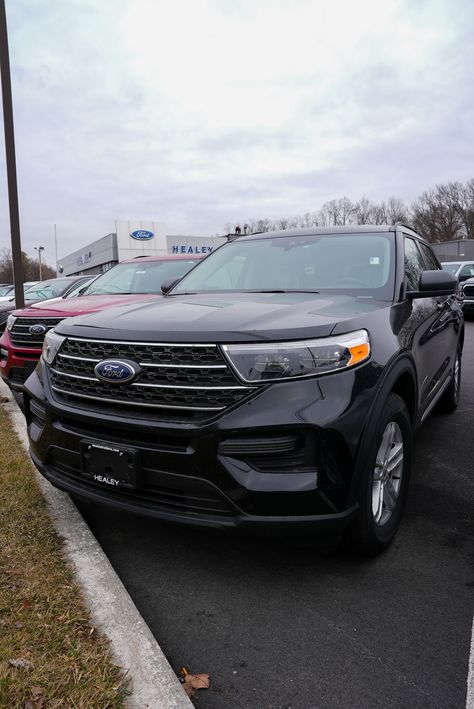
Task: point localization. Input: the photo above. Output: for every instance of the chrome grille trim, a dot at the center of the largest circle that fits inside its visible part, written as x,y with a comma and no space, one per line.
147,344
74,376
180,386
20,335
181,366
193,379
148,364
80,359
154,386
138,403
27,343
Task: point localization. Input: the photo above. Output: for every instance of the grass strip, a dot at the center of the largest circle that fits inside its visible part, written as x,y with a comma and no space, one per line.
51,656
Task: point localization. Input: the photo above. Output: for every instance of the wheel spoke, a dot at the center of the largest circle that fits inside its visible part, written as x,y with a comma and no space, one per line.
386,444
377,501
395,457
390,495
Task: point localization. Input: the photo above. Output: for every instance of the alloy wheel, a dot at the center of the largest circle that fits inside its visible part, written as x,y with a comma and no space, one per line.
388,473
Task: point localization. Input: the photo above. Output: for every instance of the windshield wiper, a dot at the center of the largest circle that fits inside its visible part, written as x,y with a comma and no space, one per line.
186,292
283,290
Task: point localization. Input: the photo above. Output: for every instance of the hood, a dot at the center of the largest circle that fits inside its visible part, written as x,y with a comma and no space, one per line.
69,307
225,318
11,305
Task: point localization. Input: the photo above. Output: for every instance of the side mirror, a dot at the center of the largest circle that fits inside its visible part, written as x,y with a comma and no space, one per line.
435,283
169,284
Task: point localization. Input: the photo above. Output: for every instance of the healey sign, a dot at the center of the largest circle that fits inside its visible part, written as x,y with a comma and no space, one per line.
188,249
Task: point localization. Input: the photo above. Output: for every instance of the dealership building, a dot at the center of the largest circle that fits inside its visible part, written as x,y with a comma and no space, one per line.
132,239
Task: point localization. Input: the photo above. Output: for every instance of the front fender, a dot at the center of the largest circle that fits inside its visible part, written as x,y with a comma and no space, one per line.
395,374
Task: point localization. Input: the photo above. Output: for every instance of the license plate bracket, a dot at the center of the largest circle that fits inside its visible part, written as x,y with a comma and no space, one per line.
110,465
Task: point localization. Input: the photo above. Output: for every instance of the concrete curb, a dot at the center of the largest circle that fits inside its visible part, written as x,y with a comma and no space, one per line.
133,647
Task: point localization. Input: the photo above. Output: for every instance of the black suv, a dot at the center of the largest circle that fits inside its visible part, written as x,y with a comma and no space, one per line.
275,388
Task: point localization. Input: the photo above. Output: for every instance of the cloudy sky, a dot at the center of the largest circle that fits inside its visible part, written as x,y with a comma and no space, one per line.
197,113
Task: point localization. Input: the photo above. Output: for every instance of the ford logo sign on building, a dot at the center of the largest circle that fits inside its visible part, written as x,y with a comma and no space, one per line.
142,234
115,371
37,329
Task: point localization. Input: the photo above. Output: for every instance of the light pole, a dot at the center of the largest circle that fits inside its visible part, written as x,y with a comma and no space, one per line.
39,249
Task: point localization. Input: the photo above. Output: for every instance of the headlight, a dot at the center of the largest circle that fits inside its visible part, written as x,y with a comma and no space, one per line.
10,321
285,360
51,345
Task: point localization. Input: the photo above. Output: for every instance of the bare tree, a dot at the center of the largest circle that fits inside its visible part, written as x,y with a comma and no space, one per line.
436,213
364,211
443,213
30,267
466,208
396,210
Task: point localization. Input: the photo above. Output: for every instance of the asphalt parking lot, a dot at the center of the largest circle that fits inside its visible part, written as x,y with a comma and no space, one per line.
279,627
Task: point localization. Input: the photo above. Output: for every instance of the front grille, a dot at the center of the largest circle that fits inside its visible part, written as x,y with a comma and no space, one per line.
186,378
468,291
21,336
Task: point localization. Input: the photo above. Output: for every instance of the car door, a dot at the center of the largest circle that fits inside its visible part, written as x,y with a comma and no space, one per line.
432,325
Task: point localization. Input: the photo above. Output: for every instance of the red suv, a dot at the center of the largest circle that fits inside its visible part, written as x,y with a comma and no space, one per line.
137,279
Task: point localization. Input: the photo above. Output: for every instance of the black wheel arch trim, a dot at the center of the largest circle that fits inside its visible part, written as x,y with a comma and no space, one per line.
401,366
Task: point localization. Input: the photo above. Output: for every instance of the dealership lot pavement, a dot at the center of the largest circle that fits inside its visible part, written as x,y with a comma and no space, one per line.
277,627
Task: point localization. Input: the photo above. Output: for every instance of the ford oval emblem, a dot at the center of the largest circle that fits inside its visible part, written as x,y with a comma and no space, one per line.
37,329
116,371
142,234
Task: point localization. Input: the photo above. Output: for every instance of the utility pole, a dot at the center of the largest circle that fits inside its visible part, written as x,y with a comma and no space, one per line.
11,159
39,249
56,248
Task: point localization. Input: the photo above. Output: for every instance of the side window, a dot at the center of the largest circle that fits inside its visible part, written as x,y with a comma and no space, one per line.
413,263
466,272
429,257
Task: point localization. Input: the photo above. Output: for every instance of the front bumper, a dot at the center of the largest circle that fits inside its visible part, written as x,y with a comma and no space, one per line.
302,436
468,305
16,364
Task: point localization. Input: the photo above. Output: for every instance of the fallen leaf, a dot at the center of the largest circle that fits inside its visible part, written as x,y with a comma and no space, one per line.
189,689
200,681
21,663
193,682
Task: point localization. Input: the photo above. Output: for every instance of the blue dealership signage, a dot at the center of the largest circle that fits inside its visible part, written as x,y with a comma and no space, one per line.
142,234
188,249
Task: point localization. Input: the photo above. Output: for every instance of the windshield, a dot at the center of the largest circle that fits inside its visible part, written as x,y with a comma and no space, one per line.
358,264
48,289
5,290
139,277
451,267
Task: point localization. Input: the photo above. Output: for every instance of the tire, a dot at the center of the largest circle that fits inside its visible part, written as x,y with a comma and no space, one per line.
450,399
384,480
